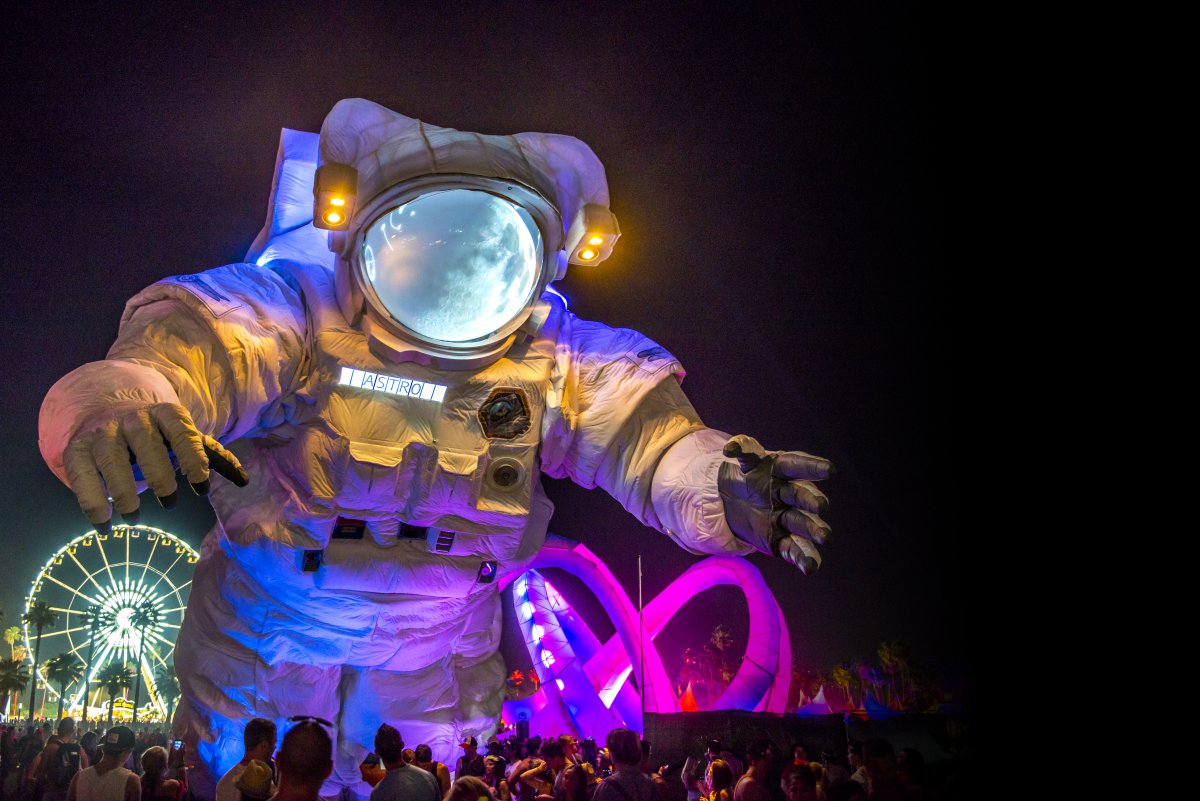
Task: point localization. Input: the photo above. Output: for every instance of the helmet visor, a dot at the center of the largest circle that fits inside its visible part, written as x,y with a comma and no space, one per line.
455,265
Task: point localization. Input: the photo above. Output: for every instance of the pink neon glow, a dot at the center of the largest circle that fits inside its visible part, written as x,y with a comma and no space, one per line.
761,683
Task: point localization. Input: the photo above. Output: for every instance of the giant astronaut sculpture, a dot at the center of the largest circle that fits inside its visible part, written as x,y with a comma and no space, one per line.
393,386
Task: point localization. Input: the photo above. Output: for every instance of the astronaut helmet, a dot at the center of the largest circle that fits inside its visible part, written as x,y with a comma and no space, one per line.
445,240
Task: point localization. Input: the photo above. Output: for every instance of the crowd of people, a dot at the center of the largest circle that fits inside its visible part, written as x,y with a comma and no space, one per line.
56,763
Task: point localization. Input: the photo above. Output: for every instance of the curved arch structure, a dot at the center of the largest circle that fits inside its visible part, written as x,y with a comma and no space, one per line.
584,683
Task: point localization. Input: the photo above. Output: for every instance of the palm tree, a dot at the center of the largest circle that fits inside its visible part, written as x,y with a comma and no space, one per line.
13,678
114,677
94,618
63,670
841,678
11,635
893,658
167,684
39,616
145,617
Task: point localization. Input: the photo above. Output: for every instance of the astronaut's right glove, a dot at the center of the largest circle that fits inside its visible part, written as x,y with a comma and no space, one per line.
100,459
771,503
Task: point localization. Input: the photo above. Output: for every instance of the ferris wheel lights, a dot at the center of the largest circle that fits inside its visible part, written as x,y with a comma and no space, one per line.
71,550
193,559
118,533
58,560
87,541
151,536
134,533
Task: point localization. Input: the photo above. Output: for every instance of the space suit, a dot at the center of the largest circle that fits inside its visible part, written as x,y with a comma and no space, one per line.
391,377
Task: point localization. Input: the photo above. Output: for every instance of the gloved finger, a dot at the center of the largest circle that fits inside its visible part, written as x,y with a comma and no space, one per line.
111,454
794,465
746,450
150,452
801,553
804,495
805,524
224,462
185,440
85,480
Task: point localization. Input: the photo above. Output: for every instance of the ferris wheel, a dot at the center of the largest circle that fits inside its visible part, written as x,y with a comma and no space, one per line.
116,598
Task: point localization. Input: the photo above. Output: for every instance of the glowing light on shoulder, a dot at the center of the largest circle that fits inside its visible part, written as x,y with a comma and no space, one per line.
392,385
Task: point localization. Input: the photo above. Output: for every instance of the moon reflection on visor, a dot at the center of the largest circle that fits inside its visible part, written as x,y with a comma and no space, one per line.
454,265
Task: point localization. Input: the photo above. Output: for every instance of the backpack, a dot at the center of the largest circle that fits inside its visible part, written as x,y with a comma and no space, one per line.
63,767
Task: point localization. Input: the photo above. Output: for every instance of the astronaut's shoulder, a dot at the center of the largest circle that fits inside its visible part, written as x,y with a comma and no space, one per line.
226,291
594,345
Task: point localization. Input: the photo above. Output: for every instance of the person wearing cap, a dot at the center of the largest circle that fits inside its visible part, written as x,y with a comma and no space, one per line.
470,763
258,743
380,387
402,782
108,779
257,782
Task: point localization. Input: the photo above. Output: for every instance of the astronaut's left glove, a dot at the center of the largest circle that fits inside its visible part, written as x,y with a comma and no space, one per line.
771,503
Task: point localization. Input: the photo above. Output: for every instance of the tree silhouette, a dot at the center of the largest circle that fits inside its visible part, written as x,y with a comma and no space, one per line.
168,687
145,618
13,678
11,635
63,670
40,617
114,677
94,618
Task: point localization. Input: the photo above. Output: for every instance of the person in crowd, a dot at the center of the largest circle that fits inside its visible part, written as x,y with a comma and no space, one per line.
858,768
424,760
403,782
156,785
588,751
910,770
8,747
692,777
883,781
572,784
627,782
470,763
108,779
305,761
800,782
720,781
53,768
90,743
32,745
521,790
799,754
543,772
752,785
468,788
844,791
257,781
258,742
493,777
661,791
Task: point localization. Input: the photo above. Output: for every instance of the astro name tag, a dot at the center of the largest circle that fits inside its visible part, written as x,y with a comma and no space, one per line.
408,387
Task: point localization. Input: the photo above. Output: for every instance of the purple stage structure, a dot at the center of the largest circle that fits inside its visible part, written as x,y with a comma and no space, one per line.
585,686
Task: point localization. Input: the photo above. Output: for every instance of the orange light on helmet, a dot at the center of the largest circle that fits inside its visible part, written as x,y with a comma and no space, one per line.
592,235
335,187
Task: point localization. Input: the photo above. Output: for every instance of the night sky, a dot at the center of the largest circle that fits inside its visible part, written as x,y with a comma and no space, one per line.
778,182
